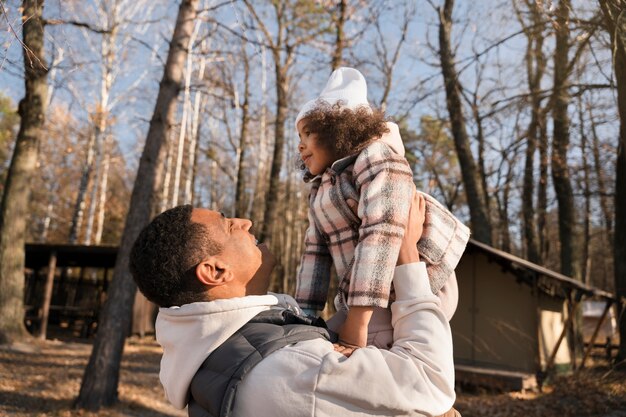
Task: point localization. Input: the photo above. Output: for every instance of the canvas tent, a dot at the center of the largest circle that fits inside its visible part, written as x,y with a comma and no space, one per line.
512,319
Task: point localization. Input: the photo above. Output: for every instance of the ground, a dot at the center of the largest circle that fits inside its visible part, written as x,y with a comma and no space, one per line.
43,378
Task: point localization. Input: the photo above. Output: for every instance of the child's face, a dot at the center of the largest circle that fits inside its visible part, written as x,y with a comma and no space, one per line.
315,156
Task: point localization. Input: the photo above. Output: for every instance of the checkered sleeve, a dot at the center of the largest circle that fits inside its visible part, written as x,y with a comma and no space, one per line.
385,184
314,272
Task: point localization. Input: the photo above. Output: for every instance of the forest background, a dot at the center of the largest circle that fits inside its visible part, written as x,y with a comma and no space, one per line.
508,111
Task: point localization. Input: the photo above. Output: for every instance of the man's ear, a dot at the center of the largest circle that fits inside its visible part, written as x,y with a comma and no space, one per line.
213,272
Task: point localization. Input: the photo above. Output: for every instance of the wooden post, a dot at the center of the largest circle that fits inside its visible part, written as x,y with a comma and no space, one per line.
47,295
609,303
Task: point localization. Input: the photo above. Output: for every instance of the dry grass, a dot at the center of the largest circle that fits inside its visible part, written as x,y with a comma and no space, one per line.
43,378
594,392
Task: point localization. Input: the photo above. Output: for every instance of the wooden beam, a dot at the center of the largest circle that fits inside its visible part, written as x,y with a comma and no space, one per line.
47,295
609,303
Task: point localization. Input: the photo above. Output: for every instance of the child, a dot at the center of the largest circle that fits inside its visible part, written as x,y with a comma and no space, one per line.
362,188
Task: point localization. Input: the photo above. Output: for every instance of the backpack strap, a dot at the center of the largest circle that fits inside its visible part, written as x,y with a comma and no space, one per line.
214,386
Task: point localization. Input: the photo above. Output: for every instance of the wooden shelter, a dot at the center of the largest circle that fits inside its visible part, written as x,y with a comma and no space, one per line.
66,286
513,317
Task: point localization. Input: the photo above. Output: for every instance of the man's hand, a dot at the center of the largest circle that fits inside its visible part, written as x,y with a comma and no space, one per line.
413,232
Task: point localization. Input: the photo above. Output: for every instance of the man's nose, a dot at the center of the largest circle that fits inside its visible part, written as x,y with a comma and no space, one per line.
245,224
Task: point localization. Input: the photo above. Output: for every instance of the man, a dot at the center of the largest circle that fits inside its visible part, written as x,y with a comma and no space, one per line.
210,278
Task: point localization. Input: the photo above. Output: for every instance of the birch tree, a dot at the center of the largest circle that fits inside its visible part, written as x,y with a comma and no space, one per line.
240,195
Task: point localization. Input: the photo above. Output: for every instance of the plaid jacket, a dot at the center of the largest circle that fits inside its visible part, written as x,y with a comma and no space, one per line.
358,211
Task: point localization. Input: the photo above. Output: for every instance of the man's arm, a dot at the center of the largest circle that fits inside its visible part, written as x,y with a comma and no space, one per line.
415,376
417,373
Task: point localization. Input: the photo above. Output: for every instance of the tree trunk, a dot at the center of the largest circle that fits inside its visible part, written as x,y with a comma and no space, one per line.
560,143
95,189
480,138
101,120
481,227
240,193
14,207
586,238
599,171
279,143
197,129
542,188
99,385
43,236
535,68
102,198
615,21
79,206
165,191
198,106
340,41
257,199
182,138
505,243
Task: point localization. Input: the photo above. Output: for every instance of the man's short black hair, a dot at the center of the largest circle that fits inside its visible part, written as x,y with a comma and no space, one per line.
164,256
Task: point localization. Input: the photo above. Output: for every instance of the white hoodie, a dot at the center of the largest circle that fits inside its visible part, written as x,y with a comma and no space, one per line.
415,377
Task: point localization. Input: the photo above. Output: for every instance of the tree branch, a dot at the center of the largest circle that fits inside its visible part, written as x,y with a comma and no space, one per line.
54,22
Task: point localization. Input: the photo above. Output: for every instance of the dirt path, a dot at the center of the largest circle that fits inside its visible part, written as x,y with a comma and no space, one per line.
43,378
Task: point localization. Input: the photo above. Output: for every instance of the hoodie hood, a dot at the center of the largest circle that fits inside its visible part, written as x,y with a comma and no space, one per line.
190,333
393,139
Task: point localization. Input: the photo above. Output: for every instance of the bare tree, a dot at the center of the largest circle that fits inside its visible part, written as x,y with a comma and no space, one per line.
614,12
600,178
100,380
295,24
240,200
560,142
340,37
481,226
14,206
535,70
386,60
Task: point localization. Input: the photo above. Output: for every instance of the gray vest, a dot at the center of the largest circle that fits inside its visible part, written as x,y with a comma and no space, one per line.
214,386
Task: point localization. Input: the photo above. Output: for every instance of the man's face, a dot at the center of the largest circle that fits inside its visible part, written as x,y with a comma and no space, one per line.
250,263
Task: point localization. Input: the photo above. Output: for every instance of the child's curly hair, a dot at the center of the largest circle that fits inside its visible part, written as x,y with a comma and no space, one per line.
345,131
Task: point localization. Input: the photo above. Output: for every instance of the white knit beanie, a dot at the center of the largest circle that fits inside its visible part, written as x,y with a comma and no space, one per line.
346,85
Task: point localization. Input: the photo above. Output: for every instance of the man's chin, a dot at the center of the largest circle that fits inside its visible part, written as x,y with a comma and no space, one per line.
260,282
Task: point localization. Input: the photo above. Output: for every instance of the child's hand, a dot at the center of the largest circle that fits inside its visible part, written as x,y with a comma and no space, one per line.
353,332
347,351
